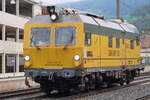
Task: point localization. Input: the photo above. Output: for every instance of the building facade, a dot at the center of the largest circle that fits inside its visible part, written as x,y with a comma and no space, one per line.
13,15
145,54
145,43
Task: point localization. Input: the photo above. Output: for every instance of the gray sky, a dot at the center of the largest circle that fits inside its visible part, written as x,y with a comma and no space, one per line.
53,2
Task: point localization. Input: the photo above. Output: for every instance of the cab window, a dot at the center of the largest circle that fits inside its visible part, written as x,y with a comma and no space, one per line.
88,41
40,36
65,36
110,42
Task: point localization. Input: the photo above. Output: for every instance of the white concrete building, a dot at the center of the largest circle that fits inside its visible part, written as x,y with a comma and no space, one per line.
145,54
13,15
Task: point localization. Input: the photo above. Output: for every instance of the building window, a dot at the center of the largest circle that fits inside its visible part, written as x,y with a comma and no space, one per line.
25,8
10,33
10,8
110,42
1,32
10,63
0,63
0,5
21,65
117,43
88,40
131,44
21,35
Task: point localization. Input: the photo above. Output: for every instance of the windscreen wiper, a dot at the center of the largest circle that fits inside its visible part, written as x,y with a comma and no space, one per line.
34,43
70,42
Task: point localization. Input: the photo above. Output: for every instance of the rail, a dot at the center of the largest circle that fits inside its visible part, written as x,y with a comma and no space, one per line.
21,94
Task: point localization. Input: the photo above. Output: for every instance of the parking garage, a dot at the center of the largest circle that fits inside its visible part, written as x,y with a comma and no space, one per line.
13,15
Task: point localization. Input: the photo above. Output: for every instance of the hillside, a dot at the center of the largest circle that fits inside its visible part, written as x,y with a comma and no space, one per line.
141,17
135,11
107,7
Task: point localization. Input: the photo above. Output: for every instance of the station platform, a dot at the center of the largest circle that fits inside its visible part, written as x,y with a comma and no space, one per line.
17,83
147,68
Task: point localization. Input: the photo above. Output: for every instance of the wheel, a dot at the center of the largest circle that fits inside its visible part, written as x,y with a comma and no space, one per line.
99,82
48,92
89,84
84,84
87,87
45,88
122,81
129,77
128,82
106,84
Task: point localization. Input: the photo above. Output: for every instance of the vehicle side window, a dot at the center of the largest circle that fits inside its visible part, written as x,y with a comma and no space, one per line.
88,38
117,43
110,42
123,41
137,42
131,44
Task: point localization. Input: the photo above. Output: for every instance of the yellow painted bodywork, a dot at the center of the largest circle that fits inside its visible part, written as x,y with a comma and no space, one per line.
53,56
62,57
123,56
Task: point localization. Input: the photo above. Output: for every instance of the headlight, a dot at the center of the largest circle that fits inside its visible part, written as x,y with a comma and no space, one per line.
53,17
27,58
76,57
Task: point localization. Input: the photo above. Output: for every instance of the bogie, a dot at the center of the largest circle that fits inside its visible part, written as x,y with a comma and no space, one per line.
88,82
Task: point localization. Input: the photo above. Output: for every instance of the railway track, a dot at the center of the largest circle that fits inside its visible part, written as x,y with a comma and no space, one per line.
144,98
145,78
34,94
103,91
21,94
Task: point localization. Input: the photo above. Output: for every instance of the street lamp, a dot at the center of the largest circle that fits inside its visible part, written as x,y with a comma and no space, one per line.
12,2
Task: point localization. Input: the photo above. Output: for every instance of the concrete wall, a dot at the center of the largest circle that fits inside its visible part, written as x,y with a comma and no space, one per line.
12,20
11,47
7,75
36,10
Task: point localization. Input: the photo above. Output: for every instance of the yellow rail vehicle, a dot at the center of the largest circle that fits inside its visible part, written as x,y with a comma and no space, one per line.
80,50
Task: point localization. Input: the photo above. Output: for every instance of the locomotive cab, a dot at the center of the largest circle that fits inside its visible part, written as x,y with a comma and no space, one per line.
53,46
